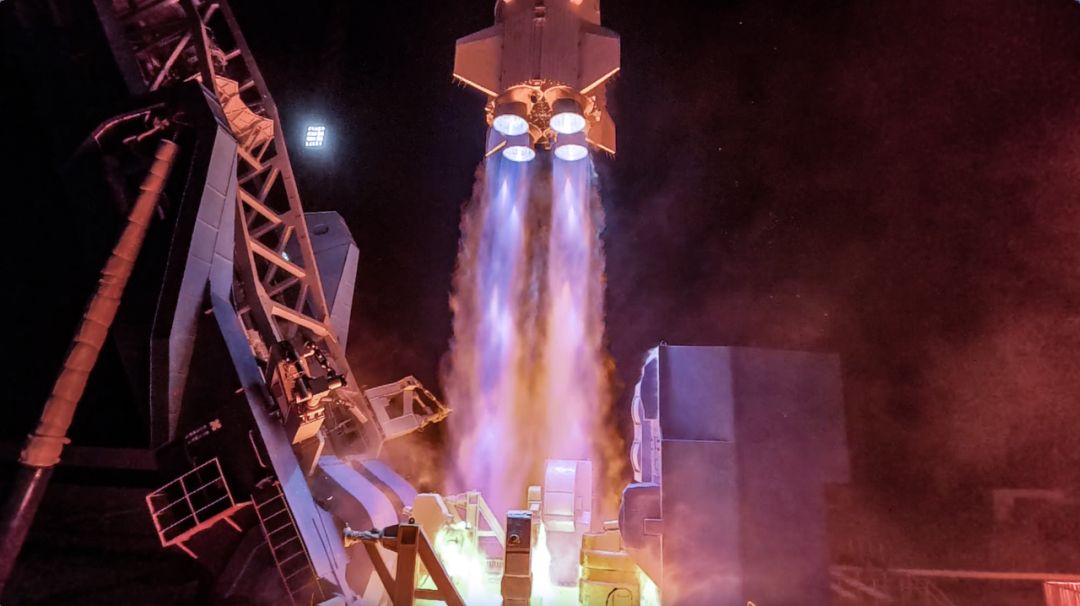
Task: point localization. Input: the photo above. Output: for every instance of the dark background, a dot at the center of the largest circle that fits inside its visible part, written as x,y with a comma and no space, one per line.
898,182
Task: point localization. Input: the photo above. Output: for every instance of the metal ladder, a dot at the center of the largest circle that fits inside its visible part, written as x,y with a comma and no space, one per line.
286,546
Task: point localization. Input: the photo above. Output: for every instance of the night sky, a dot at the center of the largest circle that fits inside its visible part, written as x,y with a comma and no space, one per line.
897,182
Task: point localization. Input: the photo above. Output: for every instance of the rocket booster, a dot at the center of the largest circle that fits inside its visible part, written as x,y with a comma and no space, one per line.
544,66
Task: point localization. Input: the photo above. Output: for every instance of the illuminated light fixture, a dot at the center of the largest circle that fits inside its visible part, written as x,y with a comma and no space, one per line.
571,148
566,117
519,149
510,119
316,136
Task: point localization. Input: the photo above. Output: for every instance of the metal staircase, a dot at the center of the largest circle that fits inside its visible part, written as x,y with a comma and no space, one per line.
286,546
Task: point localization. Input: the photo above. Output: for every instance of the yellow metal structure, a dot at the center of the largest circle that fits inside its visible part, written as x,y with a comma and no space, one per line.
609,576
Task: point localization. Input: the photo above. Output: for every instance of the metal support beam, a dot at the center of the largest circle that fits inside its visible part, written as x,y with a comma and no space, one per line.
409,542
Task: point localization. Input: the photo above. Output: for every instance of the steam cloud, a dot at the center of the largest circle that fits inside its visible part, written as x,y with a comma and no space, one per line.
527,373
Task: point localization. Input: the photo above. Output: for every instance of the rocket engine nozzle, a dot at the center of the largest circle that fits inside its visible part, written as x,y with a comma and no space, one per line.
545,74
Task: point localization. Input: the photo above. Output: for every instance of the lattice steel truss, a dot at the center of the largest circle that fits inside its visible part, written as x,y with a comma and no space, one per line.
277,291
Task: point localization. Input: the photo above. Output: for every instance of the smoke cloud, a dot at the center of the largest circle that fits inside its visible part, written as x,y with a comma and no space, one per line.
527,373
897,183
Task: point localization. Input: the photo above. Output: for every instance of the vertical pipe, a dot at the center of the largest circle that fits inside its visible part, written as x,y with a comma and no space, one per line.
43,447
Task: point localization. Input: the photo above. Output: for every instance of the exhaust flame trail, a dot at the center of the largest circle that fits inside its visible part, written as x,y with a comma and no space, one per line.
527,372
486,352
575,372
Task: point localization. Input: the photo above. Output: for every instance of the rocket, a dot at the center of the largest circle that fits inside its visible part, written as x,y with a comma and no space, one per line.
544,66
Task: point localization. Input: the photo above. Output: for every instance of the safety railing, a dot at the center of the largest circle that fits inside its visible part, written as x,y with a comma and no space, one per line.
191,503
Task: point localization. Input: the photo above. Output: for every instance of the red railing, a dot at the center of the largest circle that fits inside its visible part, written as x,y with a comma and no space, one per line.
191,504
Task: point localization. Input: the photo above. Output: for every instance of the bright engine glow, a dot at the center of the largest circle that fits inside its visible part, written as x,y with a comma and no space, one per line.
571,152
572,147
567,118
519,153
519,148
510,125
568,123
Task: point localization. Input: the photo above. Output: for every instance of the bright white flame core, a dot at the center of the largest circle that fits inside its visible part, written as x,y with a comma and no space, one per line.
568,123
542,585
650,593
571,152
519,153
467,567
541,563
510,125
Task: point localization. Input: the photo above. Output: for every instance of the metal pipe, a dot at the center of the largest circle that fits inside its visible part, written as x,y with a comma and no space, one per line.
983,575
43,447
